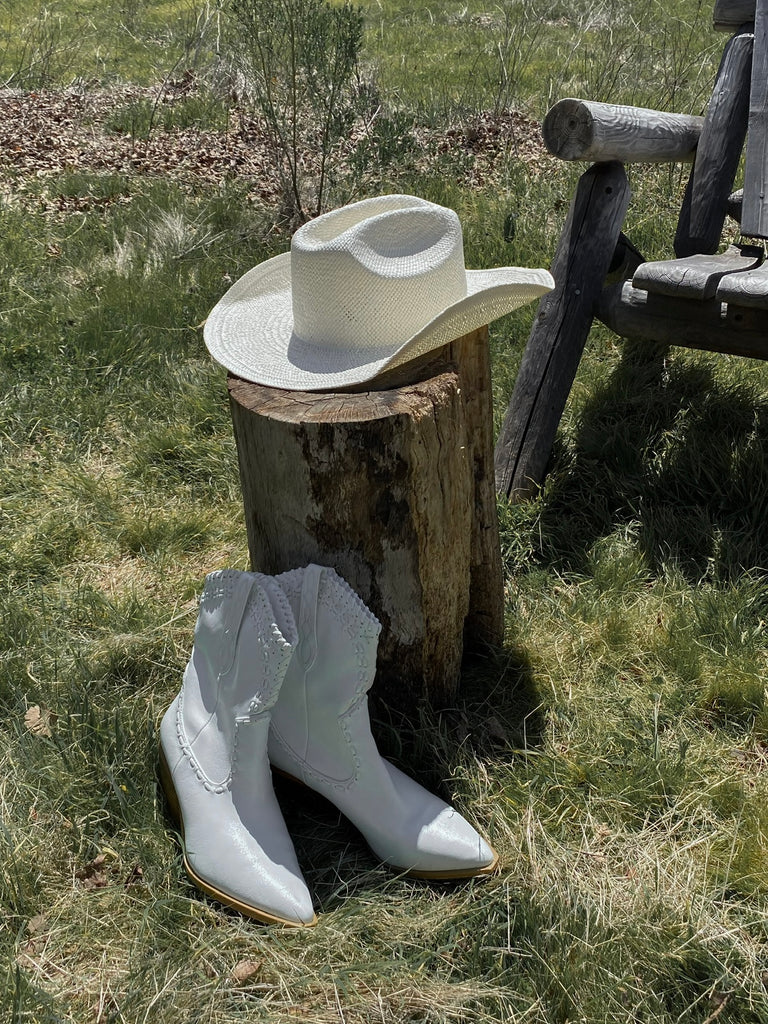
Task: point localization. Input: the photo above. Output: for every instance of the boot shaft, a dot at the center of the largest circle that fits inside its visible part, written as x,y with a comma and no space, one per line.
323,699
244,638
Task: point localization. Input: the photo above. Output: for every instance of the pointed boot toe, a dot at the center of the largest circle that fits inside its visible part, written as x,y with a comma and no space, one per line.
213,754
449,847
225,861
421,835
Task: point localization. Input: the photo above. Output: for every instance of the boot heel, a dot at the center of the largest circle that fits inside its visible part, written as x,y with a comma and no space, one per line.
166,782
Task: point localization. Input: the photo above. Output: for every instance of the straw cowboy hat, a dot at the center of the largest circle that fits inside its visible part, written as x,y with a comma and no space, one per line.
364,288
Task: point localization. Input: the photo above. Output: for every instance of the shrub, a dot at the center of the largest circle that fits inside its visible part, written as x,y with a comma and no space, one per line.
297,60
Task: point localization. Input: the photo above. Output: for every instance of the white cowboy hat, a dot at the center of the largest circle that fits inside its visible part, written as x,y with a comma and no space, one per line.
363,289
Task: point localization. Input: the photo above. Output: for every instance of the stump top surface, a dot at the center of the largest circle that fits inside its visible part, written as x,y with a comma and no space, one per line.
404,390
339,406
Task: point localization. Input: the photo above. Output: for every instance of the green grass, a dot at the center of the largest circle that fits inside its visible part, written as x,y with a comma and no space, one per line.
615,751
139,41
440,57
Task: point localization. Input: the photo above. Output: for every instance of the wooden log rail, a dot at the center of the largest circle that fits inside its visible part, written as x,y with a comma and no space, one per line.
577,129
709,324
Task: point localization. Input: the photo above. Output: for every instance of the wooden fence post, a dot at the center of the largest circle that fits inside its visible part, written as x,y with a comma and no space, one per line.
560,329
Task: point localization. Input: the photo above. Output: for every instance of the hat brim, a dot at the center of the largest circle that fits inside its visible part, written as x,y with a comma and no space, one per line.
250,330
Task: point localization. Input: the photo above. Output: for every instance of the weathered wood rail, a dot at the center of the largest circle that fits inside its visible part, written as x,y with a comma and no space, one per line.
579,130
700,299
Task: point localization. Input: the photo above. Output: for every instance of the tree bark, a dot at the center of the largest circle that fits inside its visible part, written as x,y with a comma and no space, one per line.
390,488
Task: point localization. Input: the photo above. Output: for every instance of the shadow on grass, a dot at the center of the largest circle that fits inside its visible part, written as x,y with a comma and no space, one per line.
678,448
497,709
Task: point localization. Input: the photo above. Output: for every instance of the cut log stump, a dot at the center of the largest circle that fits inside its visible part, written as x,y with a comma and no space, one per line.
393,488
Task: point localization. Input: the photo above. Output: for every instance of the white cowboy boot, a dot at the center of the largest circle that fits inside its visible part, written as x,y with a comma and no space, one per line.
320,734
213,751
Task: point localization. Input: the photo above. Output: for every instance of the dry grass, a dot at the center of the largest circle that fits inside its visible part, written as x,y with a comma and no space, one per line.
615,751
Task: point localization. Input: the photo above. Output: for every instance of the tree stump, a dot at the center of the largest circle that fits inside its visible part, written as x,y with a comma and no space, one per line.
394,488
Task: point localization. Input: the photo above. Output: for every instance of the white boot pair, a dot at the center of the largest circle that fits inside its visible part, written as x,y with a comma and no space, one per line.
279,672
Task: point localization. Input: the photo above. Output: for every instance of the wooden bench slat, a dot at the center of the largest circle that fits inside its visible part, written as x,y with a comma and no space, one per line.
746,289
695,277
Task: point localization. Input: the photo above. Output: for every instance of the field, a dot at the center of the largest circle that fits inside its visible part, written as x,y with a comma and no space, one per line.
615,751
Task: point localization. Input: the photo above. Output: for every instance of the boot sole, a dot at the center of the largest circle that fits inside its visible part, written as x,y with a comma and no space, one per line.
166,782
435,876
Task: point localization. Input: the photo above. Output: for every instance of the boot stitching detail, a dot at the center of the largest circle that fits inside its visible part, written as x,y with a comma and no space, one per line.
276,651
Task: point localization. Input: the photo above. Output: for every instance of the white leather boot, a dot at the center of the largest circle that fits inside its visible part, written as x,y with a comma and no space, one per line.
320,734
213,751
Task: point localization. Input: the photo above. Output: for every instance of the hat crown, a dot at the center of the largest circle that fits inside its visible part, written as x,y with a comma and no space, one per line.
374,273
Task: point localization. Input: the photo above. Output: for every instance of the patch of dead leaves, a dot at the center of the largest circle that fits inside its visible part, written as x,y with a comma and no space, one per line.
94,874
36,935
47,132
105,868
39,721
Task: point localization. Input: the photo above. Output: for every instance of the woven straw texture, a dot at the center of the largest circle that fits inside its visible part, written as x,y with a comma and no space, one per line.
363,289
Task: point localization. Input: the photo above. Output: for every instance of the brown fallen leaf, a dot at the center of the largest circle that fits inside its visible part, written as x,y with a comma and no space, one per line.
245,970
39,721
92,875
37,924
36,929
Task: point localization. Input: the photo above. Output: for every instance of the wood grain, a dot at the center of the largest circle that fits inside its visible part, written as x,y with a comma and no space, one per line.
390,488
577,129
718,154
633,313
749,289
485,618
563,320
695,277
754,214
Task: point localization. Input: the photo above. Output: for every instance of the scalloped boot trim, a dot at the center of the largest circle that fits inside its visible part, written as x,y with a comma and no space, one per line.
320,734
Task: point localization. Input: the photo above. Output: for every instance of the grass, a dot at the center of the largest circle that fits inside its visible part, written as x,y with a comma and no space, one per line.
615,751
139,41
